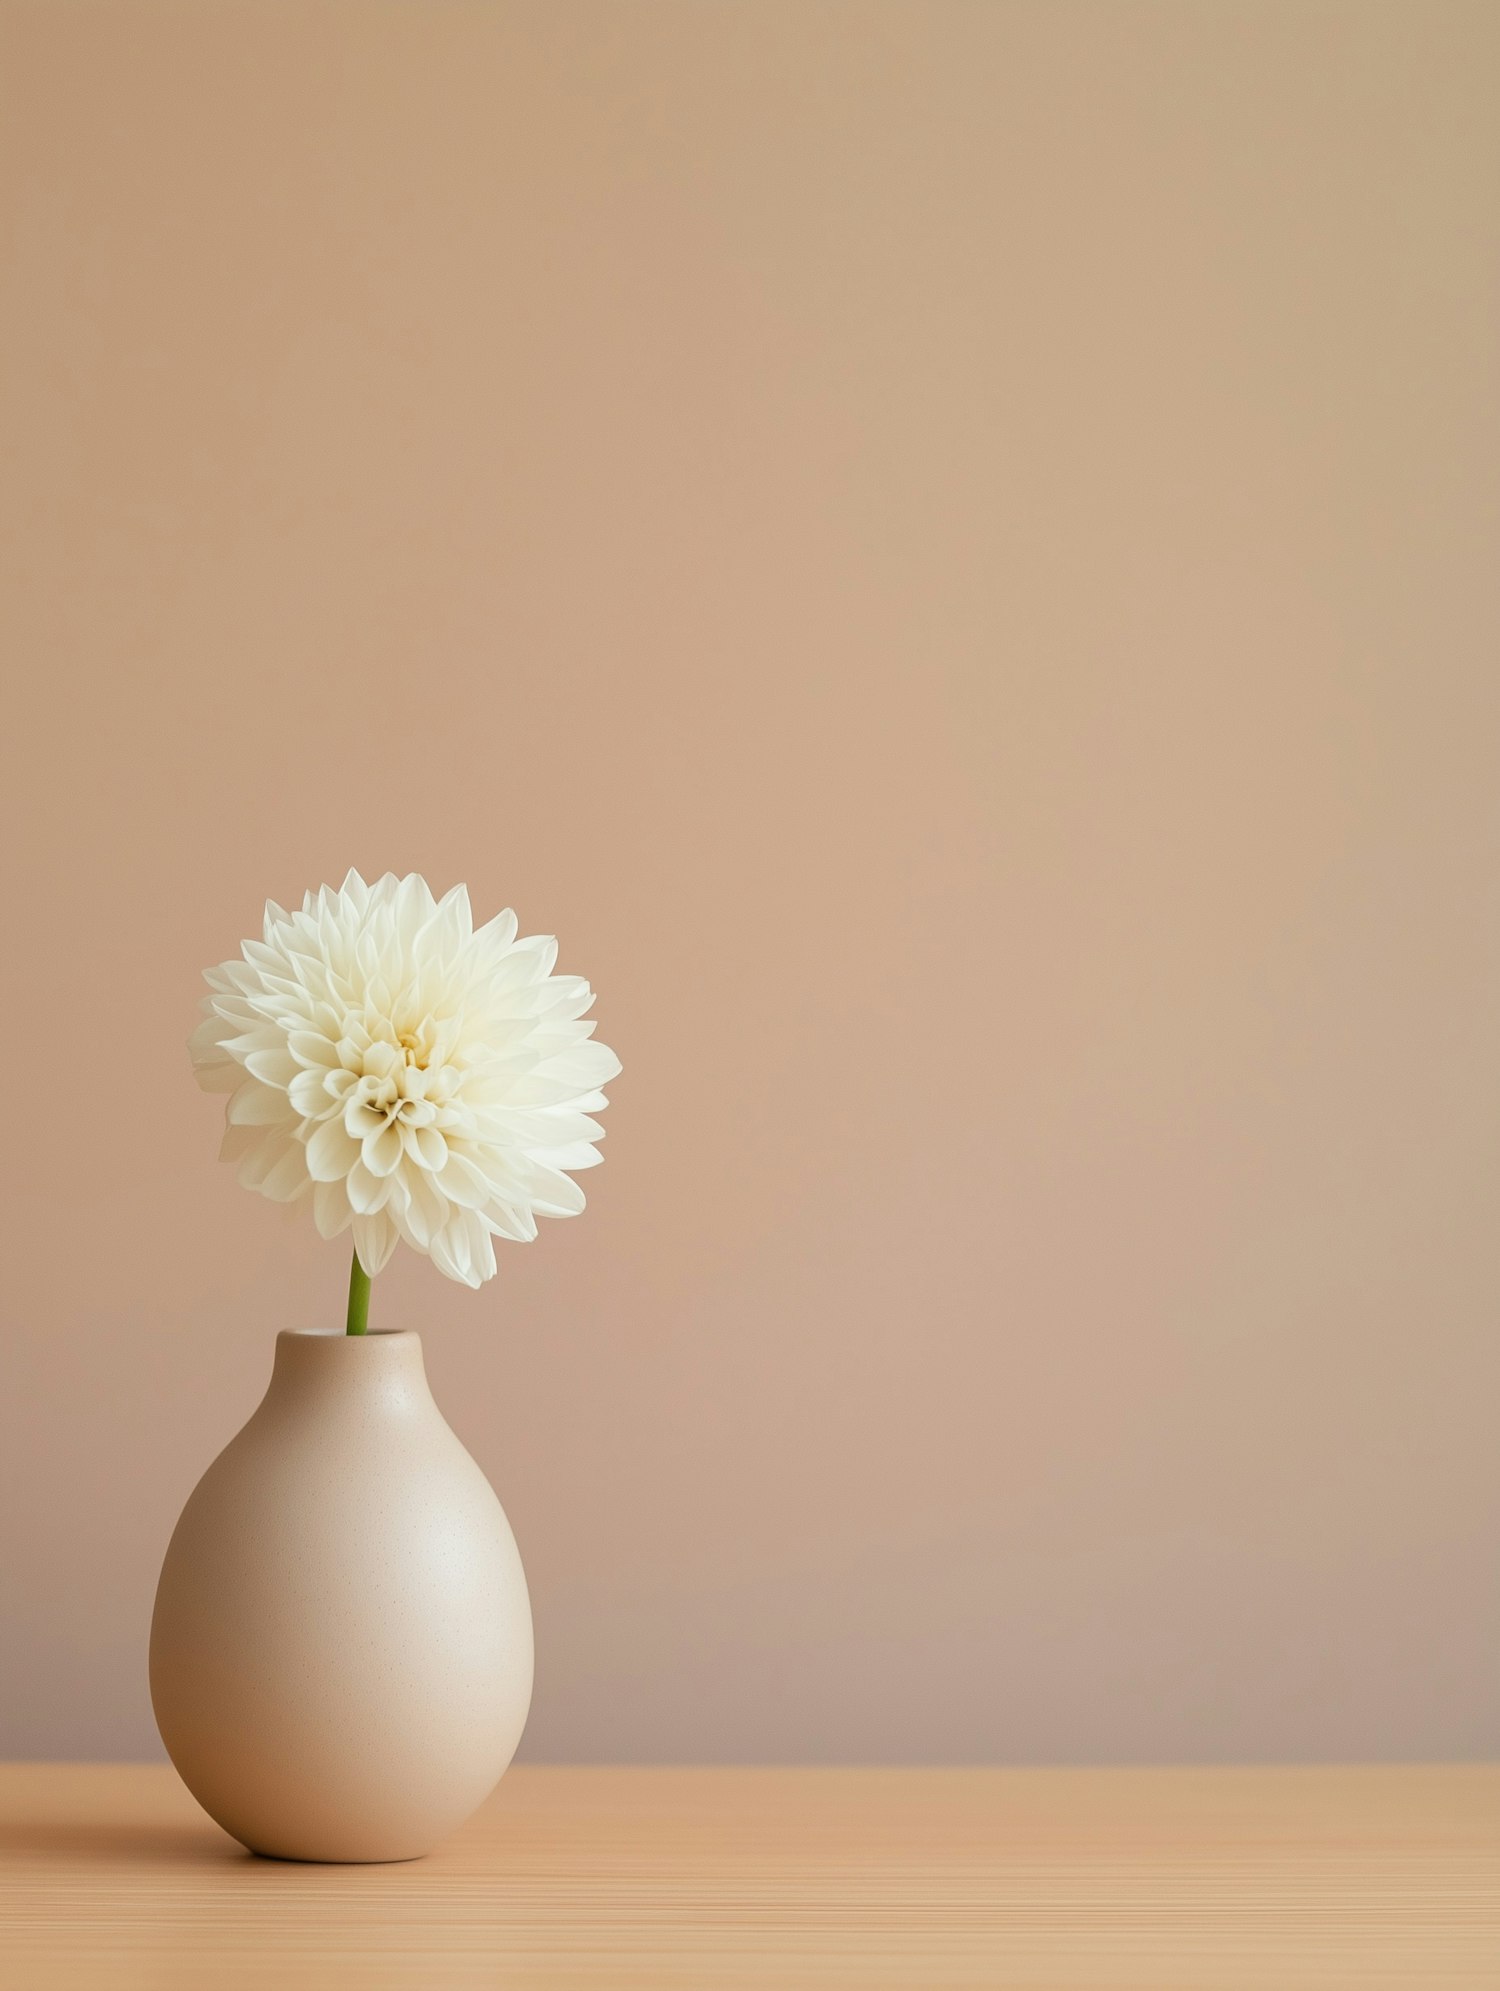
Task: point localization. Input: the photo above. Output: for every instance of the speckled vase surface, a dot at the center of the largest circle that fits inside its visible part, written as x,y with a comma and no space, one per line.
341,1650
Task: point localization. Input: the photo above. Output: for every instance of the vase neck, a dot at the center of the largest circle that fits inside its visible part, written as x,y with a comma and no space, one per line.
365,1375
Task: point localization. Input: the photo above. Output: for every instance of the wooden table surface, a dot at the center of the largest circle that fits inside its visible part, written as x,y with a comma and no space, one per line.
111,1877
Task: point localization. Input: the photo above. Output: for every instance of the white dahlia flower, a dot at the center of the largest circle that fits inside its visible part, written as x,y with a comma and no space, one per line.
416,1079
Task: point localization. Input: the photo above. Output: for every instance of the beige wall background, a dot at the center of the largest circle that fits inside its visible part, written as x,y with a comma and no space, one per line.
948,551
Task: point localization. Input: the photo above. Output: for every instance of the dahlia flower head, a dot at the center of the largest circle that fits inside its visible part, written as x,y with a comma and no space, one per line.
412,1078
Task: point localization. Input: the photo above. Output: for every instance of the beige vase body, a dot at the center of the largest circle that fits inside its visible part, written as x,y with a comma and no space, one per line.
341,1650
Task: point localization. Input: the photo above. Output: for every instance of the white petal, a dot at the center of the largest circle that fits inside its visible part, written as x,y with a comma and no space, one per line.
257,1105
331,1154
538,1128
276,1067
374,1240
568,996
306,1094
554,1195
580,1155
205,1045
481,1251
512,1220
461,1182
450,1253
270,1147
493,938
506,1170
355,890
425,1210
367,1193
526,966
360,1117
310,1047
331,1211
289,1178
548,1086
425,1145
213,1066
381,1151
591,1064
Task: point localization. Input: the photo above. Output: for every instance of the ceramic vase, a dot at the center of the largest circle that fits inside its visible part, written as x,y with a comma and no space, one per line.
341,1649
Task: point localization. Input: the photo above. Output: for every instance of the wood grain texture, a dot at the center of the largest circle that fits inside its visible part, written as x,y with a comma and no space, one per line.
110,1876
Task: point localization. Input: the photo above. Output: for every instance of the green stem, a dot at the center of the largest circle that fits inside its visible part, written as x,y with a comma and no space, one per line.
359,1297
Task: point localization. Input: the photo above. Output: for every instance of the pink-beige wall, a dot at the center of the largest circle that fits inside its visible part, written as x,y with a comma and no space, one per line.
949,551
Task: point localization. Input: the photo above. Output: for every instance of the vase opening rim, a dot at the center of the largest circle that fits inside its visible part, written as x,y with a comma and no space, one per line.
339,1334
